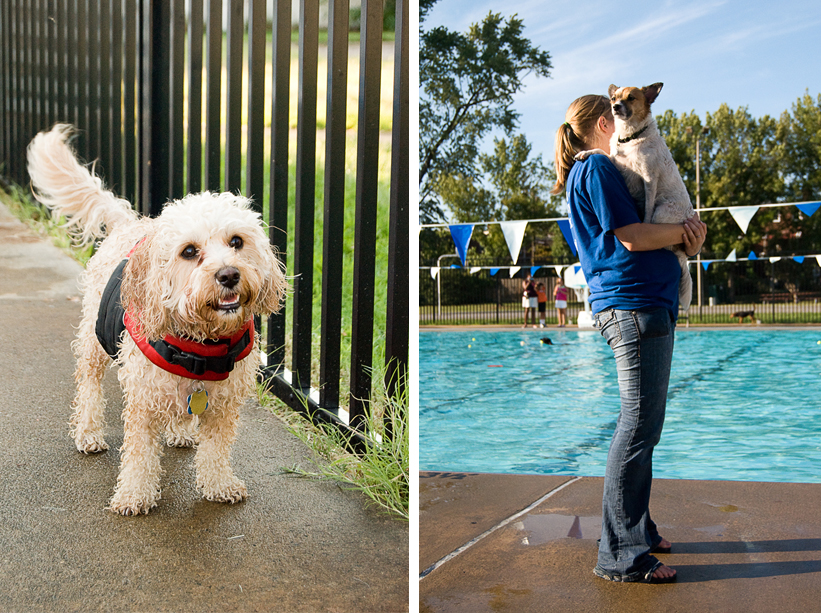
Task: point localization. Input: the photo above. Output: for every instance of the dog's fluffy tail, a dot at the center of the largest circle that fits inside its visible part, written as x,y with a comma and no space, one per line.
68,189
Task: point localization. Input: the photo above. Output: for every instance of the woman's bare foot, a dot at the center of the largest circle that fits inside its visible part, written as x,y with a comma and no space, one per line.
664,573
664,544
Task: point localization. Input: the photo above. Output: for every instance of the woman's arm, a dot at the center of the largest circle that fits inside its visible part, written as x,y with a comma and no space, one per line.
649,236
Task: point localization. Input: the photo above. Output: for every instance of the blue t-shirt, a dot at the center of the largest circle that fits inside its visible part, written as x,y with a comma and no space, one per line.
618,278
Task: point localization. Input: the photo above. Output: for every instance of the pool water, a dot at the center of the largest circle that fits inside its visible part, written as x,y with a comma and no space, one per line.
742,405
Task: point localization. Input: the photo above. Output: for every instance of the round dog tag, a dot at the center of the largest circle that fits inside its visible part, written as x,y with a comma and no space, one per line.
197,402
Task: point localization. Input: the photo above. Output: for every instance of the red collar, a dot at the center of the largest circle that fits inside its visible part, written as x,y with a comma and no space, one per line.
209,360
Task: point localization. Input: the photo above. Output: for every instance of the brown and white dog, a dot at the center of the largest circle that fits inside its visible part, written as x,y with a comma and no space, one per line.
644,160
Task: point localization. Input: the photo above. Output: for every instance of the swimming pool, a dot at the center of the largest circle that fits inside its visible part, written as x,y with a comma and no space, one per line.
743,404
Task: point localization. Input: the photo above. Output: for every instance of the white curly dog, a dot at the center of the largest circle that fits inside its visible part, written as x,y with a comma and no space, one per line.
173,299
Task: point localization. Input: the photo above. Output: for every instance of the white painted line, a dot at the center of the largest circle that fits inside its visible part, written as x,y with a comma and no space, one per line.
490,531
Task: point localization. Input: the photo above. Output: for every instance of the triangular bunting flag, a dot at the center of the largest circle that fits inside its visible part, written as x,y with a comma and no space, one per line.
514,232
454,266
564,226
752,256
533,270
798,258
514,270
706,265
576,269
774,260
559,270
818,259
475,269
743,215
461,238
493,271
732,257
434,270
808,208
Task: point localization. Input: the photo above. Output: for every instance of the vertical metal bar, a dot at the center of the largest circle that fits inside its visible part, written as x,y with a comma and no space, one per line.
35,59
278,205
397,328
194,177
5,26
104,100
27,88
367,163
61,94
176,146
130,153
304,196
81,110
94,60
255,157
213,146
333,221
116,170
155,124
233,119
50,68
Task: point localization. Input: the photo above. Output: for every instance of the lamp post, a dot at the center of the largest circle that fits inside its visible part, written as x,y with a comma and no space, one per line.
704,130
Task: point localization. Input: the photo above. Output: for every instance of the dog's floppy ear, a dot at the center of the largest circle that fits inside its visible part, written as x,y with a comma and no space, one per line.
141,292
612,90
651,92
274,286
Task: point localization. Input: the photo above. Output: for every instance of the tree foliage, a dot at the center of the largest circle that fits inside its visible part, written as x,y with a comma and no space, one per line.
467,84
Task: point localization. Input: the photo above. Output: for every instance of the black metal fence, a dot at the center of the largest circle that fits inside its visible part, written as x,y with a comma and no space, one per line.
144,81
784,291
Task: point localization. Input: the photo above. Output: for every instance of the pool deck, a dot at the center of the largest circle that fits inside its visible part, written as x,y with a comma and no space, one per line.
528,543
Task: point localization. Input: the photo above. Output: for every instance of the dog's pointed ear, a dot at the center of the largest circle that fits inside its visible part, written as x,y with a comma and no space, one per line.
140,292
651,92
612,90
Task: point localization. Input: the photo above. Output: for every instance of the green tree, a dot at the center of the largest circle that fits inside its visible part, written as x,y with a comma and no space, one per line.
467,86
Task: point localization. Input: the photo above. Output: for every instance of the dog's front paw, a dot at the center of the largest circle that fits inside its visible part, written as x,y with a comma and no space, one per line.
133,503
232,490
90,442
583,155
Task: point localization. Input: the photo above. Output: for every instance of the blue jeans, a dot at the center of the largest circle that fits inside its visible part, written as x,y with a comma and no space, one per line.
642,343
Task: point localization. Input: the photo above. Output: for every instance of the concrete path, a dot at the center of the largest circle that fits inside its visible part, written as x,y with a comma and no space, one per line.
294,545
528,543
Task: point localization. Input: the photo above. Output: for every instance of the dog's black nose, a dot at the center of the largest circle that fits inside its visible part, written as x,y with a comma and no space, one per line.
228,276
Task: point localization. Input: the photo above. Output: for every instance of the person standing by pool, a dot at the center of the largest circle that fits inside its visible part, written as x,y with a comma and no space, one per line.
633,284
560,296
541,296
529,299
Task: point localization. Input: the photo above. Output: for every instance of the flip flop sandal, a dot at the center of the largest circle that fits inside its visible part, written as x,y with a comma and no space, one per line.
647,578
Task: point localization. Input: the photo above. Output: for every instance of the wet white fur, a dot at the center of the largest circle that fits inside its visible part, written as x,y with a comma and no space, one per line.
172,295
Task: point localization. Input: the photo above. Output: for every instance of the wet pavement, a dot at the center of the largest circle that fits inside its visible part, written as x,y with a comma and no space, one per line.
294,545
528,543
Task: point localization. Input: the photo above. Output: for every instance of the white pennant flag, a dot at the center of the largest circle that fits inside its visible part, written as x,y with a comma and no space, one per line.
514,270
731,257
743,215
774,260
434,270
818,259
559,270
475,269
514,232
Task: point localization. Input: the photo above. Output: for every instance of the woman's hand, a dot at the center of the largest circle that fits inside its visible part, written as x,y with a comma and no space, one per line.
695,233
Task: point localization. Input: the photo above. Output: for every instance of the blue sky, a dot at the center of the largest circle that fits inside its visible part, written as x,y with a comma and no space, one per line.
760,55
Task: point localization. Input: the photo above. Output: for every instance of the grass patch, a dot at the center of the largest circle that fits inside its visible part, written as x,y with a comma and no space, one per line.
381,473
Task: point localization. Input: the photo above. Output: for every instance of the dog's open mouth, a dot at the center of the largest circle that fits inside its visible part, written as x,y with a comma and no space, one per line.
228,303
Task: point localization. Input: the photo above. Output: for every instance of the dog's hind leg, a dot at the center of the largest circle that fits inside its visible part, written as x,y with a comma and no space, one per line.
215,477
88,418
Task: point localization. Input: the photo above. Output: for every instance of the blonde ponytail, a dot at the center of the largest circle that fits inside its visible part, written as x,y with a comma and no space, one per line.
575,132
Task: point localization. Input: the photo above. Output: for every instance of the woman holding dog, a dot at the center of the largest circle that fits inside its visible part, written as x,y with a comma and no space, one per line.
633,284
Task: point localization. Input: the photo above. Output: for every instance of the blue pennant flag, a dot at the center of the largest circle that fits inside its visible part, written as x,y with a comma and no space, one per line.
461,238
564,226
493,271
533,270
798,258
808,208
752,256
576,269
706,265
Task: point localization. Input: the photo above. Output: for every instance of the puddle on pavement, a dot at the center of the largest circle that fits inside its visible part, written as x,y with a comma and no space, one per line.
540,529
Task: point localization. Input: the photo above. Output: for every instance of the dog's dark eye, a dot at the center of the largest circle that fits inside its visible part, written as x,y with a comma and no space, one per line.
630,97
189,253
236,243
